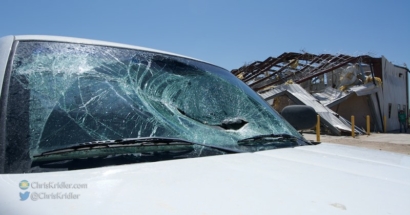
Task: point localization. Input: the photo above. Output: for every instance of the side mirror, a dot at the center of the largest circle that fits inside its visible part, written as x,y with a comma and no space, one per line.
301,117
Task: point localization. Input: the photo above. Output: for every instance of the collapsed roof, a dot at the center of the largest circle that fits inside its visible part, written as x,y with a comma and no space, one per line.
298,67
334,122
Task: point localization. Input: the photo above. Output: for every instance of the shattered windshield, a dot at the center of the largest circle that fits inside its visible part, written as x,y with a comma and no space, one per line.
63,94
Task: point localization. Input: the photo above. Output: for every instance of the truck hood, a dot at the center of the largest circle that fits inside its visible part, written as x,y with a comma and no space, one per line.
320,179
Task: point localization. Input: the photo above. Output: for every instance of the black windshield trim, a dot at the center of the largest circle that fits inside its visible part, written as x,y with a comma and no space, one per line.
3,106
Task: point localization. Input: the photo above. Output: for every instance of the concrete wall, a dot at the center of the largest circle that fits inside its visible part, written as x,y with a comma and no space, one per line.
281,101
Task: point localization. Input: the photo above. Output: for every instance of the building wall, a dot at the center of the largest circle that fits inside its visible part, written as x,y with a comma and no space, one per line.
394,93
357,106
281,102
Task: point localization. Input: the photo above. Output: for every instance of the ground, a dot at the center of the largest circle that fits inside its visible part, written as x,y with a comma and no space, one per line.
393,142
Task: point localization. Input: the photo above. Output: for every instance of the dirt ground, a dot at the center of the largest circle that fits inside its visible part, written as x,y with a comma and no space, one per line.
393,142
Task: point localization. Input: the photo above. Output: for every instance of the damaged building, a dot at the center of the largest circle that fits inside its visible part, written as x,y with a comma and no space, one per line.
336,86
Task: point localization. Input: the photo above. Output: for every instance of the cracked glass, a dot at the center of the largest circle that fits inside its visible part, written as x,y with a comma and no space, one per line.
63,94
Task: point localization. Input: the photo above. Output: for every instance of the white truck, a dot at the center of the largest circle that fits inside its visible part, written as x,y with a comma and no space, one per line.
93,127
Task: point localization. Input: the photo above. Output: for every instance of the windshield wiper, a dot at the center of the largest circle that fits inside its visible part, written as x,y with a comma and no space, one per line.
122,146
269,138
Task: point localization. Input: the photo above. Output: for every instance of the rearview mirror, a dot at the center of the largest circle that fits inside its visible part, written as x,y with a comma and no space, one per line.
301,117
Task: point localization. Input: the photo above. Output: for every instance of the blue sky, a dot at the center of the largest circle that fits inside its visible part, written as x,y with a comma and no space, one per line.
227,33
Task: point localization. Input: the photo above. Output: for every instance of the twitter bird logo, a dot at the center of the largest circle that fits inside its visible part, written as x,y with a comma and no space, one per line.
24,196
